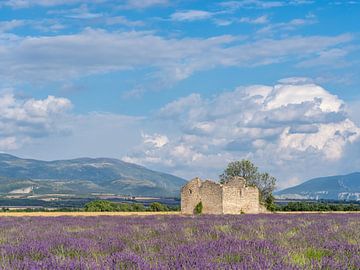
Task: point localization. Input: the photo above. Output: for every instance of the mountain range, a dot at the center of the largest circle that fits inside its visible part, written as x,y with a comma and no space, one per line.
339,187
84,176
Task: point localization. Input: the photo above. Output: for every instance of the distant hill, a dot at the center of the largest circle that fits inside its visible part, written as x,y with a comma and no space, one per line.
84,176
340,187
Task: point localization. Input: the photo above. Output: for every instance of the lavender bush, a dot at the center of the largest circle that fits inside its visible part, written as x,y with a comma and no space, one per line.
274,241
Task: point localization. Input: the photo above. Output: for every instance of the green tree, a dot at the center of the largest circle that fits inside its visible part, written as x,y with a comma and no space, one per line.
138,207
246,169
243,168
158,207
100,206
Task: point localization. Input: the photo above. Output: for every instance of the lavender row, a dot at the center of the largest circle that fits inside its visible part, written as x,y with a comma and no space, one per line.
273,241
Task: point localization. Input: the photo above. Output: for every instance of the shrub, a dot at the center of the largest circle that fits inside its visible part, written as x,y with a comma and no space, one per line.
198,208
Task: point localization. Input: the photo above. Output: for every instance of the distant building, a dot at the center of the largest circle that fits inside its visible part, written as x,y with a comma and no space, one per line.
233,197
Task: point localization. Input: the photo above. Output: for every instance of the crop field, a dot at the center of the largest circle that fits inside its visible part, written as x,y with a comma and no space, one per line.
273,241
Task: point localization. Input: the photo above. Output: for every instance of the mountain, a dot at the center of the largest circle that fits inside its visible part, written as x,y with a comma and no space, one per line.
340,187
84,176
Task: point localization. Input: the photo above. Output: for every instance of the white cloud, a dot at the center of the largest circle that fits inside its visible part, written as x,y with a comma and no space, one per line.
330,139
97,51
256,21
92,51
191,15
281,128
142,4
296,80
21,120
129,4
332,57
261,4
285,94
285,27
6,26
155,140
45,3
354,110
122,20
259,20
252,4
223,22
294,138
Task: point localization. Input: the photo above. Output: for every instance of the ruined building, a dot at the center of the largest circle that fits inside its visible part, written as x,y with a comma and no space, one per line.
233,197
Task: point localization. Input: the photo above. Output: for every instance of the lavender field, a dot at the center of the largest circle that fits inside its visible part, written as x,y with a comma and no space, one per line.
304,241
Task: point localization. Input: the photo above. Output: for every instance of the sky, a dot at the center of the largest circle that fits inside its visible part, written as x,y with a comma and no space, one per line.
184,87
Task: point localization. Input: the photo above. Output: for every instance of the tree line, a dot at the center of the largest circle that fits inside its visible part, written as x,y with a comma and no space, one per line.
107,206
316,206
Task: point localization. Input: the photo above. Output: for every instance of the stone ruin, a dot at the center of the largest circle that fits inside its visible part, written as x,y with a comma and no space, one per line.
233,197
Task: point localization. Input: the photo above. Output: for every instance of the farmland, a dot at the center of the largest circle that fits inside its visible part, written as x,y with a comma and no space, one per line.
274,241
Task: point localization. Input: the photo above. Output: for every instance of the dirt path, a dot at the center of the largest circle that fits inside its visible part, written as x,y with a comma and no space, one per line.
82,214
93,214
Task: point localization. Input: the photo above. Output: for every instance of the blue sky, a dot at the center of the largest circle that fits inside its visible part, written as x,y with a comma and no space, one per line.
184,86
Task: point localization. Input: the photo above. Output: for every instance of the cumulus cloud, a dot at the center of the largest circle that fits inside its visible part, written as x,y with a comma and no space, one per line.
155,140
354,110
21,120
289,123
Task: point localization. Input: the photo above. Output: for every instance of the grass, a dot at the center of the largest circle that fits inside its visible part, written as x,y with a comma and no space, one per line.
309,254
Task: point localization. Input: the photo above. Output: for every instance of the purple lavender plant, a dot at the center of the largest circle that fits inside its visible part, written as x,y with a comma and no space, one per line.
273,241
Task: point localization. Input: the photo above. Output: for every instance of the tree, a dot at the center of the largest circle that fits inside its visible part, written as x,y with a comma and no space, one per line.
158,207
100,206
107,206
246,169
243,168
266,184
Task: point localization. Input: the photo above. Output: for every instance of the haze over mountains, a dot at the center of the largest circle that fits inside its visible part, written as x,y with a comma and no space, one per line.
84,176
106,175
339,187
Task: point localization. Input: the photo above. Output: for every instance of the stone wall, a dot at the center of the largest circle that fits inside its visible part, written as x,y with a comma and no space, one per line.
236,181
211,198
190,196
231,200
249,201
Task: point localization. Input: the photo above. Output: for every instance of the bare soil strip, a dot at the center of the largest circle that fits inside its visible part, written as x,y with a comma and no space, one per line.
82,214
94,214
